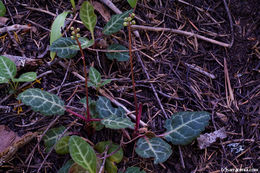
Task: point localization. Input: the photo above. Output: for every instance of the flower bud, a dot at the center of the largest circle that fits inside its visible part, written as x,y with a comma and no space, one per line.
133,22
125,19
72,28
73,33
78,35
125,23
72,37
78,29
129,19
133,15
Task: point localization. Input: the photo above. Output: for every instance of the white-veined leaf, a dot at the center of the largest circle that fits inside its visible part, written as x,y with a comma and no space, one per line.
105,108
51,136
42,101
119,56
68,48
83,154
7,68
56,29
26,77
88,17
155,147
183,127
94,76
62,146
115,122
115,23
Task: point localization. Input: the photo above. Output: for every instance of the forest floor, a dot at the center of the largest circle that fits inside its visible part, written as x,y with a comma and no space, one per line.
186,72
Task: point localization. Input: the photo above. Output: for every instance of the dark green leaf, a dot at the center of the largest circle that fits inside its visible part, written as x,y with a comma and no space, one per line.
42,101
83,154
155,147
119,56
51,136
75,168
88,17
110,167
183,127
105,108
115,23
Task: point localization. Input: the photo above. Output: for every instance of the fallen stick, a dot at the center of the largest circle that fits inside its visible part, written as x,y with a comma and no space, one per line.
186,33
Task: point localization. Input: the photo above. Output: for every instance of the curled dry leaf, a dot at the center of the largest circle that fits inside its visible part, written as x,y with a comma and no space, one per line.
102,10
207,139
11,142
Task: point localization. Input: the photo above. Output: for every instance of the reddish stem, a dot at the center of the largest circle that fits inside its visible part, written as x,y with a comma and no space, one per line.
77,115
138,118
85,75
81,116
131,63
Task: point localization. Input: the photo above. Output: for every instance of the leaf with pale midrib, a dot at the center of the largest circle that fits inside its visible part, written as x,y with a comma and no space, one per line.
42,101
115,23
183,127
51,136
115,122
155,147
83,154
7,68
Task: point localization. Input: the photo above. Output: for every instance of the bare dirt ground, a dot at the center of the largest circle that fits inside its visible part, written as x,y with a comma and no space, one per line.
229,90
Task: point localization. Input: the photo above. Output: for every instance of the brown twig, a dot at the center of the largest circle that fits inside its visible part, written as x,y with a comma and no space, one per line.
177,31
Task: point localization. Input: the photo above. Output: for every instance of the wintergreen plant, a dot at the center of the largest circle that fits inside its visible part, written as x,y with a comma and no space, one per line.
8,72
181,129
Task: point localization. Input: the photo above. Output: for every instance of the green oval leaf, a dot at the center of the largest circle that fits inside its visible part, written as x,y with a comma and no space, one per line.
115,122
105,108
119,56
116,157
56,29
183,127
7,68
94,76
26,77
62,146
65,168
155,147
132,3
134,169
51,136
83,154
2,9
42,101
115,23
88,17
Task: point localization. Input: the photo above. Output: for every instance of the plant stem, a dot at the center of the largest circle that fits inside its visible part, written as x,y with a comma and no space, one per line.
77,115
86,77
132,71
138,118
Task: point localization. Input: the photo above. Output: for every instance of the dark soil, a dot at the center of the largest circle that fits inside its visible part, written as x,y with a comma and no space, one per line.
179,87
